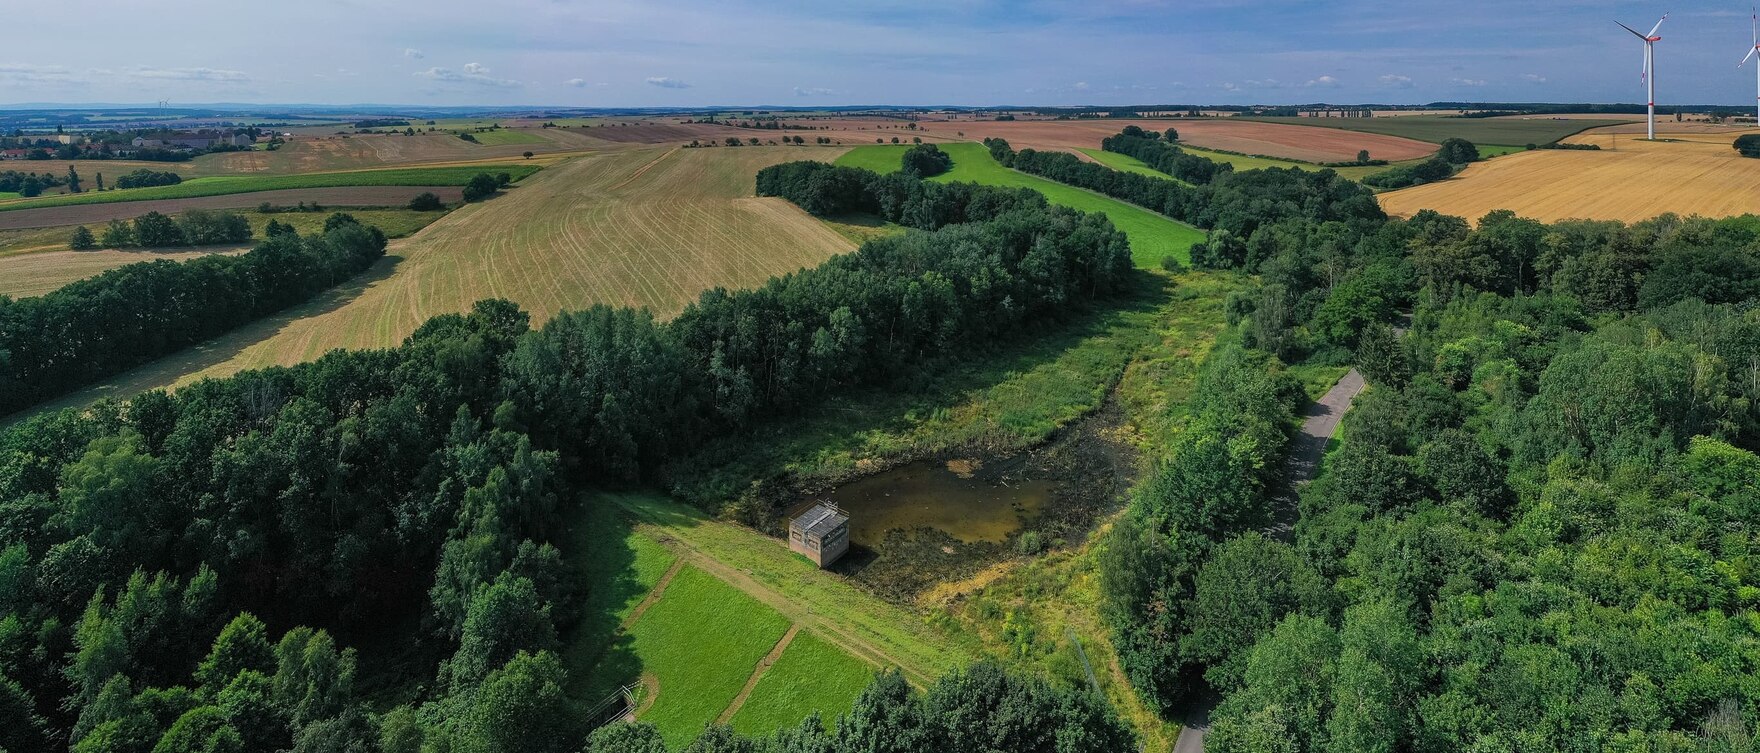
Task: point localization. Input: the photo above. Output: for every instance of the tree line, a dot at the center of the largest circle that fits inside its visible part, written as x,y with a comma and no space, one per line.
189,570
196,227
102,325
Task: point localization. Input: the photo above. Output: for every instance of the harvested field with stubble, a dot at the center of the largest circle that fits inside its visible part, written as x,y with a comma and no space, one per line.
36,261
1286,141
642,227
342,196
1698,174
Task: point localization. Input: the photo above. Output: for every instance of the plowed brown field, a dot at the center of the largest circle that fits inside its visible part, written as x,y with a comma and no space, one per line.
1304,143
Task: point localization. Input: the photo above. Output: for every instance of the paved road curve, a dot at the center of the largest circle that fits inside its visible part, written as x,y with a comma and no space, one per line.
1319,423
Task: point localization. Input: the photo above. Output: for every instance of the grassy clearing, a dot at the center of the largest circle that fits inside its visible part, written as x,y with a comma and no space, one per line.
1436,128
1317,380
820,602
700,642
812,676
1126,163
1152,235
1003,401
233,184
35,261
618,568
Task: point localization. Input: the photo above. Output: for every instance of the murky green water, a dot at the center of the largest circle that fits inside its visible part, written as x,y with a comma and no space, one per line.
970,506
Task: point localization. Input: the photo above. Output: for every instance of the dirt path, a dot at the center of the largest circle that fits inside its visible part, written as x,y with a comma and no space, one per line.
653,595
644,169
1319,423
758,672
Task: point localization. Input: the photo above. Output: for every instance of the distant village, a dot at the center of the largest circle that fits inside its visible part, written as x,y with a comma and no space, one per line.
160,145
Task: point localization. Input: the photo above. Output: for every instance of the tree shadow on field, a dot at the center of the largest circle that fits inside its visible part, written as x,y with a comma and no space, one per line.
598,654
196,358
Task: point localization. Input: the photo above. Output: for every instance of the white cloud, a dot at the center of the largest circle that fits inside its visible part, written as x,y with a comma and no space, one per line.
1396,81
1080,86
1467,81
665,82
30,73
474,74
816,91
1534,78
1323,82
185,74
413,53
577,83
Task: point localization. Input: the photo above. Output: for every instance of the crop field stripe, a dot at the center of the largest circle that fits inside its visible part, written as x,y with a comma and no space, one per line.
1436,129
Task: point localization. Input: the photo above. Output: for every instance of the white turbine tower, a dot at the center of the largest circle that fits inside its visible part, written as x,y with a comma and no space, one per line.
1650,41
1752,51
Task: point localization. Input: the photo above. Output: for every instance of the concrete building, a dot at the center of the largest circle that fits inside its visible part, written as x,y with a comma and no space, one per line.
820,534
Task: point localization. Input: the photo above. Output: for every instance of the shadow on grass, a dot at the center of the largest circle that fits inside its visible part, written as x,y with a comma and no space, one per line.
196,358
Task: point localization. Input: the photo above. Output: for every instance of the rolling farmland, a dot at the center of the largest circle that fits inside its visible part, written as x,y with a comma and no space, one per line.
1511,131
1152,235
1637,181
647,227
36,261
1286,140
456,175
341,196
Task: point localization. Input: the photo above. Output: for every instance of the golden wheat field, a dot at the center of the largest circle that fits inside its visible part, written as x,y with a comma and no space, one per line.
1686,173
640,227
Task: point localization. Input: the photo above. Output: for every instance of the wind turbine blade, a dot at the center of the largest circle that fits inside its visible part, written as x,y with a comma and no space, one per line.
1755,16
1632,30
1751,51
1658,25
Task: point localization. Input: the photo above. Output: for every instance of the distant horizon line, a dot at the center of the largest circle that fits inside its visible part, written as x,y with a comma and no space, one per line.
1441,104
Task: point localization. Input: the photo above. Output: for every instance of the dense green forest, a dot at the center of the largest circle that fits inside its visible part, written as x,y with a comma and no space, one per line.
1538,531
361,552
102,325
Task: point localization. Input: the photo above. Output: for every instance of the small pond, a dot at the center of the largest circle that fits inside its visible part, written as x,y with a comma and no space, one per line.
959,497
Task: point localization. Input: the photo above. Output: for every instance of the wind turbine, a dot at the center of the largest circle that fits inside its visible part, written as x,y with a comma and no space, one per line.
1752,51
1650,41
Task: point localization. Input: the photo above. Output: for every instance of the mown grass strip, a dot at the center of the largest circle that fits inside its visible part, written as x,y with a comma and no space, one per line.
231,184
1152,235
812,676
700,642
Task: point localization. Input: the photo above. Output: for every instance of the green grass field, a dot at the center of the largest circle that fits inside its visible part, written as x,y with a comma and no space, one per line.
1126,163
221,185
1152,235
821,602
811,676
1435,128
700,642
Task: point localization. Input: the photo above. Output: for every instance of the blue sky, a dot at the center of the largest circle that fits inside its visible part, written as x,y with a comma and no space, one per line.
609,53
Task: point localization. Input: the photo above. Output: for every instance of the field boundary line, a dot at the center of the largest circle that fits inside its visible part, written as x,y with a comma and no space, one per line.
787,607
654,594
643,170
758,672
